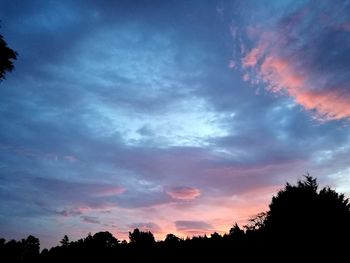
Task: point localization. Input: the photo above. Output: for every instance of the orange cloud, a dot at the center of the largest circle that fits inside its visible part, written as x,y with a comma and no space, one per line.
280,75
329,104
309,65
184,193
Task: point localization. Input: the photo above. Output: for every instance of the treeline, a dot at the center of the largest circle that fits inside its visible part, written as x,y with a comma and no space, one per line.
301,223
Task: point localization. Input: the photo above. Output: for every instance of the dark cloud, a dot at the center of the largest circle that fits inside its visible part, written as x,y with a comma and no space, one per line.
67,190
146,226
90,219
72,212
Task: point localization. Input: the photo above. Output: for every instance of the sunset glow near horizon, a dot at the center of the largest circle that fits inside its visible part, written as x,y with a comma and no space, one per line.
178,117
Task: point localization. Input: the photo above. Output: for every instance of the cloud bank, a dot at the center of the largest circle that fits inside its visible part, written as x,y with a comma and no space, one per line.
304,55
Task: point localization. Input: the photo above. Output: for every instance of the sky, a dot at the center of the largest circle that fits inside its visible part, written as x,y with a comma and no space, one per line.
178,117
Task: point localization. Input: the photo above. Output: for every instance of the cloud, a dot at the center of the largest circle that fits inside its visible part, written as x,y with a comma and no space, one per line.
251,59
303,56
73,211
90,219
70,158
231,64
193,227
71,198
184,193
65,188
146,226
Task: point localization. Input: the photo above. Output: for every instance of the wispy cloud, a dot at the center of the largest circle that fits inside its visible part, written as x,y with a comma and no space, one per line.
193,227
90,219
184,193
146,226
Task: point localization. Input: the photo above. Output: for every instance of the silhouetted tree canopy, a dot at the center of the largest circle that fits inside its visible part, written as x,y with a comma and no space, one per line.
302,224
236,232
171,239
30,247
141,238
65,241
105,240
303,210
25,250
7,55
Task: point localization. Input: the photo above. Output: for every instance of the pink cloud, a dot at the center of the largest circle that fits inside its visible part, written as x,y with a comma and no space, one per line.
280,75
251,59
184,193
330,105
302,55
283,74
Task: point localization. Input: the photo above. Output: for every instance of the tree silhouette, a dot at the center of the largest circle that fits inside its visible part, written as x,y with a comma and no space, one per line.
302,209
300,216
30,248
256,222
142,244
6,57
105,240
141,238
65,241
215,236
236,232
171,239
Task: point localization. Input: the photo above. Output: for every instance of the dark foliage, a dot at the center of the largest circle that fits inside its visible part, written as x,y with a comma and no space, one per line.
7,55
302,223
25,250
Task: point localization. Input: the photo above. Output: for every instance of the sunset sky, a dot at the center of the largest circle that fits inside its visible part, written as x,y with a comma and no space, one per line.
171,116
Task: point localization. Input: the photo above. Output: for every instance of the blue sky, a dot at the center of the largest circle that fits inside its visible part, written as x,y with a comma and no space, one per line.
176,116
